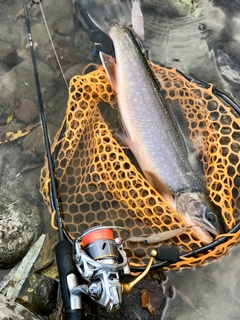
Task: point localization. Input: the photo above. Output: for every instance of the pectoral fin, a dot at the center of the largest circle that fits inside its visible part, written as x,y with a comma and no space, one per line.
110,68
159,186
122,139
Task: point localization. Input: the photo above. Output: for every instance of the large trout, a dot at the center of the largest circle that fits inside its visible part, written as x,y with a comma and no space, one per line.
154,131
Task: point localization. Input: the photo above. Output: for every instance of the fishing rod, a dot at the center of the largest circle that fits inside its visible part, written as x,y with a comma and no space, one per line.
68,274
95,263
96,256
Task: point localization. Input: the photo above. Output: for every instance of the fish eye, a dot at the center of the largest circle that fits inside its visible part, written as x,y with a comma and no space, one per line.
202,27
210,217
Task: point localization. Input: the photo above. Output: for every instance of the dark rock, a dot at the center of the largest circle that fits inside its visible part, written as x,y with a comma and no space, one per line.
8,53
46,296
3,68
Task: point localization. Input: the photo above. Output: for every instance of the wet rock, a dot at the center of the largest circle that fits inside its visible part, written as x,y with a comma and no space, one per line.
26,110
3,68
174,7
34,141
67,53
41,37
31,185
11,33
57,107
8,53
3,149
13,310
20,224
75,70
19,82
46,296
11,127
81,40
59,14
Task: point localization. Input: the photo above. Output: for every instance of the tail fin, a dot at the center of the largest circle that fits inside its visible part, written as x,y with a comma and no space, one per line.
109,14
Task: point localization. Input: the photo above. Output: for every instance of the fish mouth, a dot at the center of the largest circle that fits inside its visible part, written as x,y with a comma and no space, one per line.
207,233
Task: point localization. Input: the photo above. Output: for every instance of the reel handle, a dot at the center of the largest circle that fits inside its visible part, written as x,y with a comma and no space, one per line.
68,278
167,253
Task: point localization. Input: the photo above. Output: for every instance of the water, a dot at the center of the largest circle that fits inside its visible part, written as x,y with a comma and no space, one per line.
199,38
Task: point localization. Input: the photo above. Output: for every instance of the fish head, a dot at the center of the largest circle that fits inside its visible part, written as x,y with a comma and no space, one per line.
201,213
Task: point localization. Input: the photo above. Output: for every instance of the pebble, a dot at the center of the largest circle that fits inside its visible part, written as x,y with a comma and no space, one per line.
20,225
26,110
13,310
46,296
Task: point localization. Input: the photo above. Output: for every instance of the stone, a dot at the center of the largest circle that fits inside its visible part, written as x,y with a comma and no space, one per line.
3,68
20,225
8,53
59,15
19,82
26,111
45,296
13,310
34,140
40,36
11,33
75,70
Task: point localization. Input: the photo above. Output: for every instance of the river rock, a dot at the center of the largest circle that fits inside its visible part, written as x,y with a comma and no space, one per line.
26,110
46,296
7,53
179,7
20,225
13,310
11,33
59,15
34,141
19,82
3,68
40,36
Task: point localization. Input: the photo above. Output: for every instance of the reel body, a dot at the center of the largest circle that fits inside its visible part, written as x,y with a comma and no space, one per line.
100,260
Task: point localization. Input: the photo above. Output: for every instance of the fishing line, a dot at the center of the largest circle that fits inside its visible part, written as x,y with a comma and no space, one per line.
53,47
53,188
96,52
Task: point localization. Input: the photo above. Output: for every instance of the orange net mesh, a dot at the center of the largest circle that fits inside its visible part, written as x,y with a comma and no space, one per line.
99,185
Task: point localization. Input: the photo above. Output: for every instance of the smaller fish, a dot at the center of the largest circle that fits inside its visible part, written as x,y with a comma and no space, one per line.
159,237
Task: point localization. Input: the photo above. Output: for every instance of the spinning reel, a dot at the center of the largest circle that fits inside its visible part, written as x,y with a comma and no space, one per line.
101,261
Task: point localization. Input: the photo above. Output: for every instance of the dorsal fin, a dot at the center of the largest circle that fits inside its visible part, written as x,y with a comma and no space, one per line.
137,19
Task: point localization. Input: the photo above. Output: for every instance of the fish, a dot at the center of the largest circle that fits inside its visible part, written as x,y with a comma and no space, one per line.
155,132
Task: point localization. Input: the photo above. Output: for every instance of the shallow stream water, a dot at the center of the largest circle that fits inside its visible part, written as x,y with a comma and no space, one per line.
199,38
